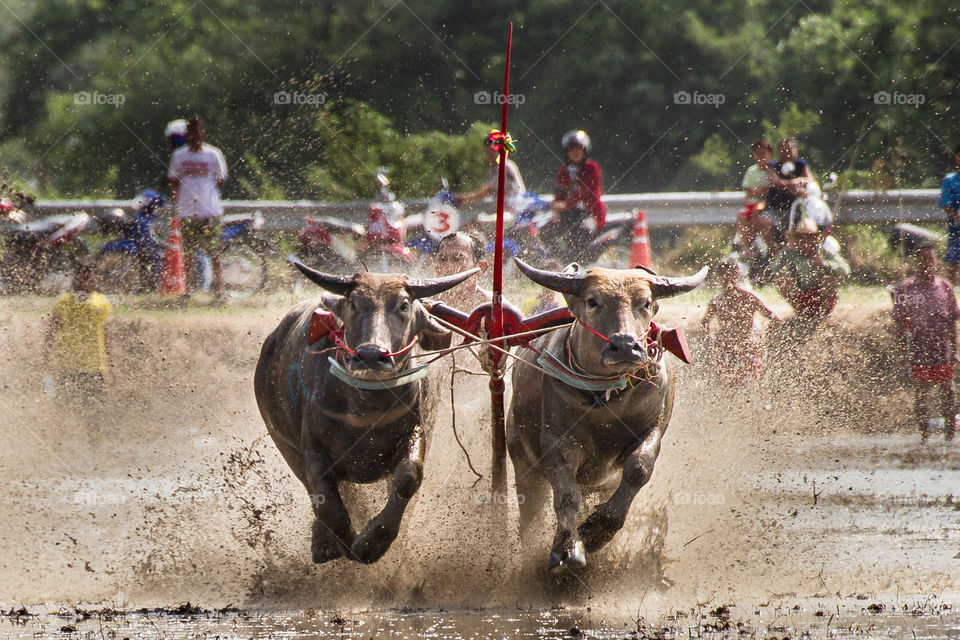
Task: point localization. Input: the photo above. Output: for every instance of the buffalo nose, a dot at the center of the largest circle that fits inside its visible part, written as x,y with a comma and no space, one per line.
372,355
624,345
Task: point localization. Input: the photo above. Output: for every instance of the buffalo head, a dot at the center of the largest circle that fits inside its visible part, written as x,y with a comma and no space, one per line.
381,313
617,303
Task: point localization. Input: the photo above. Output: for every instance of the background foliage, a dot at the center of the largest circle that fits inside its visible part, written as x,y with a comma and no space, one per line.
399,79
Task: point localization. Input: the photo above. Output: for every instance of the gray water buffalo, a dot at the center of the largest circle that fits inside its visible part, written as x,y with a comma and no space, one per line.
594,423
344,405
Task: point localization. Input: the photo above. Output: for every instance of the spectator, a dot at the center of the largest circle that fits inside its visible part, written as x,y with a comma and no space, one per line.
756,183
578,209
925,311
197,173
731,332
513,187
950,201
788,177
76,340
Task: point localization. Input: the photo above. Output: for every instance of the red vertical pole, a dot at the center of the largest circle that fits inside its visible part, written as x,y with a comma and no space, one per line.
498,470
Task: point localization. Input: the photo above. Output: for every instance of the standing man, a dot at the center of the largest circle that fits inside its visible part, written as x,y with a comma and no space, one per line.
950,201
197,173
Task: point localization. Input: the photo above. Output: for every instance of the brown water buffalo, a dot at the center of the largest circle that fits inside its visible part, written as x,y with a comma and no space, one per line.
357,419
594,423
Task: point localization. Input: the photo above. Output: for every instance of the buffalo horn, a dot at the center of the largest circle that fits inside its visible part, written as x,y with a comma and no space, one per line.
665,286
570,283
339,285
427,287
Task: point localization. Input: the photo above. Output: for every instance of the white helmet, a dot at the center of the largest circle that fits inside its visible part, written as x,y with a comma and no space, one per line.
176,133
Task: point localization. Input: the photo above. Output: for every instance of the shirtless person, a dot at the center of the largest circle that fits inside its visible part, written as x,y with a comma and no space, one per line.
729,324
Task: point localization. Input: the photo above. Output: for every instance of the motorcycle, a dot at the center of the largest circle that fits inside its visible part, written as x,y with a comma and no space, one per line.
530,234
815,206
41,256
321,244
383,248
133,262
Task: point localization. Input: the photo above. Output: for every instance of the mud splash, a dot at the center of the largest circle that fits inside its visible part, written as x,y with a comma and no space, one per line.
170,492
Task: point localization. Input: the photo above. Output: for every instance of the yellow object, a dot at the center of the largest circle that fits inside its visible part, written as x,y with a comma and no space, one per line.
79,339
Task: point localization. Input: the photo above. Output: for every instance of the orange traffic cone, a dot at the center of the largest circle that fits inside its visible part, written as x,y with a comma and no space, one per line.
640,253
172,279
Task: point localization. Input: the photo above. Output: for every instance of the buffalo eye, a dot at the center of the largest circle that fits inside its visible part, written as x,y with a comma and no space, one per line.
644,305
592,303
405,306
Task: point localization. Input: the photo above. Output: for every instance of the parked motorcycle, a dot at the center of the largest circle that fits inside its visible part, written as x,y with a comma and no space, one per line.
383,247
530,235
132,262
329,244
40,256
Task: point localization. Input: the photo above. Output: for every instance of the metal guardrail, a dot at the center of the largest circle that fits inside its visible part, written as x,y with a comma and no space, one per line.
662,209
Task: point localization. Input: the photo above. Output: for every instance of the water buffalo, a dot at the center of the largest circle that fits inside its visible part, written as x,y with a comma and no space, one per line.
594,423
360,417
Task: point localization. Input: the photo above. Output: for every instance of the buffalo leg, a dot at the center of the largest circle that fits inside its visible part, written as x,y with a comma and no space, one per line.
608,518
370,545
531,490
332,533
562,474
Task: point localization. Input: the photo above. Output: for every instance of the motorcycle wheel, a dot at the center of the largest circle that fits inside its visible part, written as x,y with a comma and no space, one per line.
118,273
244,270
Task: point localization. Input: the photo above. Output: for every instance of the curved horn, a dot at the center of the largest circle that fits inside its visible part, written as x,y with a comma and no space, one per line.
426,287
665,286
334,284
570,283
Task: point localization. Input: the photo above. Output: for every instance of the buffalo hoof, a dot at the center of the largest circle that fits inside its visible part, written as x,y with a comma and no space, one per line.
372,543
325,546
575,557
599,529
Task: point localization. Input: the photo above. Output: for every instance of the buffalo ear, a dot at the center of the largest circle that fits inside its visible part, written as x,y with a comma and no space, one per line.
432,335
333,303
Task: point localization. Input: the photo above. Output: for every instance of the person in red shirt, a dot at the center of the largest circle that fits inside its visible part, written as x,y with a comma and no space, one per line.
578,210
925,311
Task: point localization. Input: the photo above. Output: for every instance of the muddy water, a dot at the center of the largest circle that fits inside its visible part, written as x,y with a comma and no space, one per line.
169,492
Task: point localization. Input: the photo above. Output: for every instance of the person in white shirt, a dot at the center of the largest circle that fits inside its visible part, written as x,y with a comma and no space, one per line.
513,187
197,173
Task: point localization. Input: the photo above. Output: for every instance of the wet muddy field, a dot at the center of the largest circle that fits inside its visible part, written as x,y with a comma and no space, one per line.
806,505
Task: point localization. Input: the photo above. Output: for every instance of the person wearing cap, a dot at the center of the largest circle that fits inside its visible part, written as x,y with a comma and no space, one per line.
806,275
197,173
925,312
730,329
